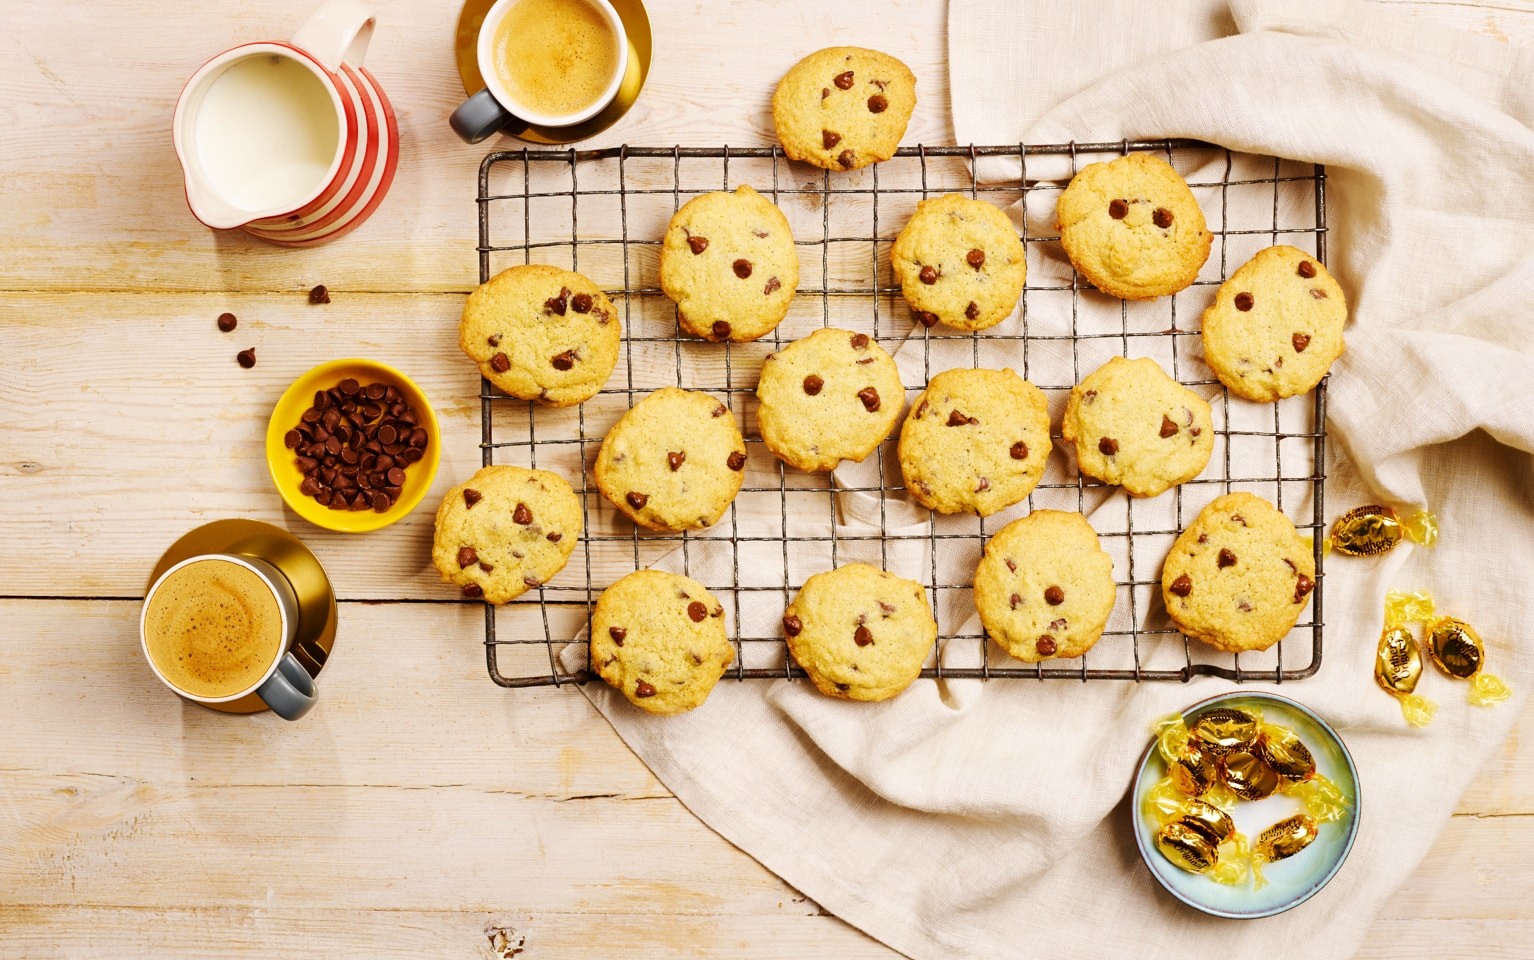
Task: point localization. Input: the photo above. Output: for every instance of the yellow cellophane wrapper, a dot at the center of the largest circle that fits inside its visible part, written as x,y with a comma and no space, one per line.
1235,864
1163,802
1418,710
1421,527
1486,690
1171,736
1320,798
1221,796
1402,608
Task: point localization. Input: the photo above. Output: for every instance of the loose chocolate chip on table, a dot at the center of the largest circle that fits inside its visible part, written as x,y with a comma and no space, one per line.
843,81
1244,301
1046,646
742,268
467,557
721,328
1168,428
975,258
1300,341
829,138
500,363
846,158
1118,209
771,286
1303,586
320,294
1226,558
227,322
812,384
675,459
1019,450
737,461
246,358
1182,586
859,341
637,500
792,625
957,419
473,591
928,275
870,398
1162,217
1306,269
697,612
1108,446
877,103
618,634
1054,596
563,361
862,636
972,311
581,303
926,318
642,690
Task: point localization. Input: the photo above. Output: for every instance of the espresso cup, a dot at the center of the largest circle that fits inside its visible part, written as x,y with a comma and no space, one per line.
545,63
218,627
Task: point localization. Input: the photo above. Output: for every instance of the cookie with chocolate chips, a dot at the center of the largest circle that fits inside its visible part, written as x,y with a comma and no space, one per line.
541,333
844,107
674,462
1132,228
959,260
975,441
1137,427
728,261
833,396
1240,576
861,633
1275,326
660,639
504,531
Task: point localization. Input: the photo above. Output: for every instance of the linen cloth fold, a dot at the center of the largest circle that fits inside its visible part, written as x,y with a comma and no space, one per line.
970,819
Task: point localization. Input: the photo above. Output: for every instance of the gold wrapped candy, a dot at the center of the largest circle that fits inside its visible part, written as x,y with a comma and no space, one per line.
1456,649
1209,820
1224,729
1286,838
1193,771
1398,669
1284,753
1248,776
1374,529
1186,847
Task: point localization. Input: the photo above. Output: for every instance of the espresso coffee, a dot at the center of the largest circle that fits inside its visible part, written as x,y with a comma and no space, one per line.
555,57
213,628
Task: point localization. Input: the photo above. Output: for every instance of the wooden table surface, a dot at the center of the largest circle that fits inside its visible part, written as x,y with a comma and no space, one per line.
420,811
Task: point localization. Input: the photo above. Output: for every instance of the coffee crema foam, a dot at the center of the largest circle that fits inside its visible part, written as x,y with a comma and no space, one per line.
213,628
555,56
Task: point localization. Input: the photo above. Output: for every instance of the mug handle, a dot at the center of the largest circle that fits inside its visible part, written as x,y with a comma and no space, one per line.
337,32
481,115
289,691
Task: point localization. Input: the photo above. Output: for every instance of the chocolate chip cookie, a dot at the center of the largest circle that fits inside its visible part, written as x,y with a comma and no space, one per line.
844,107
1275,326
861,633
541,333
660,639
728,261
504,531
674,462
1137,427
1044,588
833,396
1132,227
1240,576
975,441
959,261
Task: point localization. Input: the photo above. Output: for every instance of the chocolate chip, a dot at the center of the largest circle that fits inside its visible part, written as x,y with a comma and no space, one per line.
1162,217
554,536
675,458
926,318
1168,428
877,103
742,268
309,487
581,303
720,411
643,689
395,476
860,341
320,294
975,258
771,286
1019,450
792,625
637,500
957,419
467,557
1226,559
736,461
870,398
1046,646
292,439
227,322
1054,596
813,384
1306,269
1182,586
721,329
829,138
618,634
846,158
825,92
1118,209
982,485
532,582
563,361
1300,341
1302,587
698,244
246,358
522,515
1108,446
928,275
862,636
494,340
500,363
1316,293
558,304
473,591
697,612
972,311
1244,301
843,81
1015,600
1011,564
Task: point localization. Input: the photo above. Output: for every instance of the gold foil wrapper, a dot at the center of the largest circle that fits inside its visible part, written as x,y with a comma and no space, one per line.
1186,847
1249,777
1455,647
1225,729
1283,751
1194,771
1286,838
1398,661
1209,820
1366,531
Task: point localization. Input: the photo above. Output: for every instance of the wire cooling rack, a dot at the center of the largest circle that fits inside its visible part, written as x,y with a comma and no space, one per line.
604,212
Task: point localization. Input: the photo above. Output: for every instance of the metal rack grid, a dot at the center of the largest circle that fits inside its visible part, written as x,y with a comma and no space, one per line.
603,212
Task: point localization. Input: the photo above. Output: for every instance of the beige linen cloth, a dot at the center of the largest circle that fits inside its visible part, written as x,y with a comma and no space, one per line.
969,819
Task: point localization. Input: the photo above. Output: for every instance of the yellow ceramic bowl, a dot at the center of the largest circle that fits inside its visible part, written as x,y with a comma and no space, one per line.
300,397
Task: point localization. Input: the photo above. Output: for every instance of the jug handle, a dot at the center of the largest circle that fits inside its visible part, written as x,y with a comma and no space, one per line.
337,32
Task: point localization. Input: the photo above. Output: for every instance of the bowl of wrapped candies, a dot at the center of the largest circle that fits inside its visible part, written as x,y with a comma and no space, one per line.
1245,804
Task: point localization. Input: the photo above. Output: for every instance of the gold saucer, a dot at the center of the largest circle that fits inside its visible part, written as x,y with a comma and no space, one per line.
316,600
636,22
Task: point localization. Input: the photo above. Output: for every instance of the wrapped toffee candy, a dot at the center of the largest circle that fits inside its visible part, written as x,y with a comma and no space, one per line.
1398,660
1456,650
1283,840
1187,847
1284,753
1248,776
1209,820
1222,730
1373,529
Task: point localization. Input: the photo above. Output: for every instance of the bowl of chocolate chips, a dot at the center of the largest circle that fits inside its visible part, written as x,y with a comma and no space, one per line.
353,445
